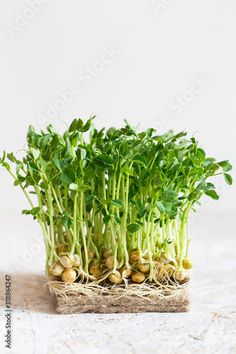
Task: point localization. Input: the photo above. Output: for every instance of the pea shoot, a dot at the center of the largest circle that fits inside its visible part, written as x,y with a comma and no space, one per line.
113,205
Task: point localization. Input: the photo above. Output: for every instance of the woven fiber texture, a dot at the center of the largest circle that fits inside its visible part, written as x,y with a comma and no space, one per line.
120,300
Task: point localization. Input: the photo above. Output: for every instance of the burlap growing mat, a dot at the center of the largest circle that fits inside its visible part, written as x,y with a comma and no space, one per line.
81,298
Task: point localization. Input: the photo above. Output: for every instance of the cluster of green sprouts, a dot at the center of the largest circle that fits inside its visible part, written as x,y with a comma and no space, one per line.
114,203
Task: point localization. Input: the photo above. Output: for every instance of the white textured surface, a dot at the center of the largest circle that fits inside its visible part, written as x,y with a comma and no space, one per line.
210,327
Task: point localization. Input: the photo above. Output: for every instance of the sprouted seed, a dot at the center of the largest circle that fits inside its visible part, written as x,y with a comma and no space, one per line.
62,248
68,275
91,254
106,253
114,200
115,277
125,272
56,269
134,256
144,267
76,260
138,277
161,273
67,261
169,269
187,264
95,270
110,261
179,275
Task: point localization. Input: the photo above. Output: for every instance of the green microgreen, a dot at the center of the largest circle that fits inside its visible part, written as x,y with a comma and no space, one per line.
115,189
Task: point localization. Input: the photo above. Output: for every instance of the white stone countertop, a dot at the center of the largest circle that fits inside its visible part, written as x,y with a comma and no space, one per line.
210,326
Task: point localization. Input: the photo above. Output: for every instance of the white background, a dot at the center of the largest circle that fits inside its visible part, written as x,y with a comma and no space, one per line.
141,60
136,59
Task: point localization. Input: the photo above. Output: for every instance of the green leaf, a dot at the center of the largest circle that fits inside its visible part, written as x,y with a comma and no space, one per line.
79,125
210,186
51,129
106,219
2,159
67,220
68,176
128,171
35,153
26,212
132,228
11,157
89,199
160,206
83,153
87,126
170,196
203,186
73,126
228,179
226,166
89,224
117,203
6,165
84,188
138,158
57,163
212,194
142,211
104,159
201,154
34,211
209,161
117,219
74,139
168,207
111,131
